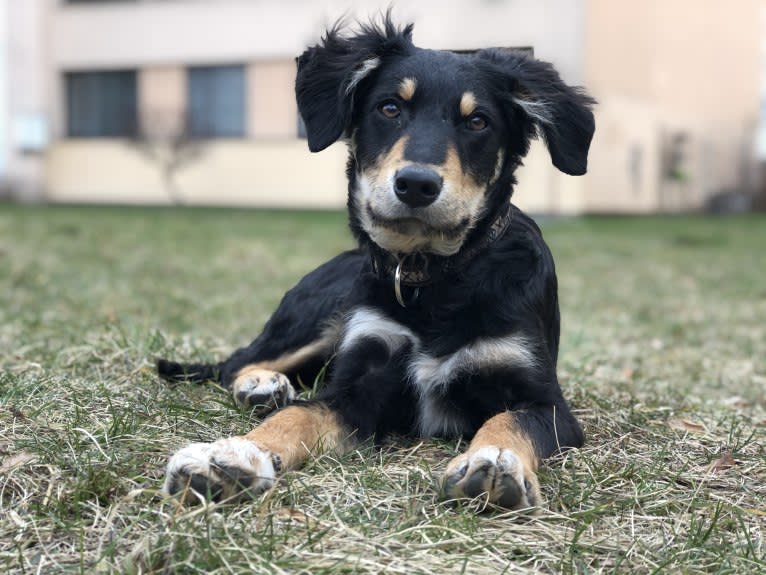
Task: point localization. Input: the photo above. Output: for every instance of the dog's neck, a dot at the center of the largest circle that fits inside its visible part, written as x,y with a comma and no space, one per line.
419,269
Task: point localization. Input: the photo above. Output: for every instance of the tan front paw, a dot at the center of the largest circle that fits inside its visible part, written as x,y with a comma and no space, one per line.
263,390
226,469
494,473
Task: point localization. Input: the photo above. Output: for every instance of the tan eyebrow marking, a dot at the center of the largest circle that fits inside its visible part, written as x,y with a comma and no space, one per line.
407,88
467,104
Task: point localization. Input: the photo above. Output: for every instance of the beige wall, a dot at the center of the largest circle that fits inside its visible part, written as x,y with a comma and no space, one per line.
204,31
273,111
660,68
271,173
227,173
162,100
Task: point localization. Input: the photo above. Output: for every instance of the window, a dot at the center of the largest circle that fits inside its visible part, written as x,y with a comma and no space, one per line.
217,101
101,104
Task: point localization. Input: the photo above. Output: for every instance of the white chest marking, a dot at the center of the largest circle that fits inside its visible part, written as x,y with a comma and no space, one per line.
432,375
367,323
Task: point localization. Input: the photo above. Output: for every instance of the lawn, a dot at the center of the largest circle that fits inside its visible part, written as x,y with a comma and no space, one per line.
663,357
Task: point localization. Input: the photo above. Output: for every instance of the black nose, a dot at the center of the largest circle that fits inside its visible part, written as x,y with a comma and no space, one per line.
417,186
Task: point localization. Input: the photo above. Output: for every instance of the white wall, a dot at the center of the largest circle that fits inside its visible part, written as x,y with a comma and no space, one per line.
4,131
27,95
161,32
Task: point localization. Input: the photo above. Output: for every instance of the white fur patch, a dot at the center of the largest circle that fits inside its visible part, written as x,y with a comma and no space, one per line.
538,111
207,460
498,166
361,73
366,323
263,383
504,459
430,373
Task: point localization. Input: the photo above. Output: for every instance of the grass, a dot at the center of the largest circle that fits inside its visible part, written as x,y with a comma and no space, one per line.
663,357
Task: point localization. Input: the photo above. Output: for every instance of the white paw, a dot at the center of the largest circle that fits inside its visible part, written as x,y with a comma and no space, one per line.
263,389
496,473
222,470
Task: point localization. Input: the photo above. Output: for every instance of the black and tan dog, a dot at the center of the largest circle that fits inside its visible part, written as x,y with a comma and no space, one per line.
445,320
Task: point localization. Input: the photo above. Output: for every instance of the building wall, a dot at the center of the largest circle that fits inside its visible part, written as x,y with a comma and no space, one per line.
26,108
228,173
661,71
162,99
271,165
274,112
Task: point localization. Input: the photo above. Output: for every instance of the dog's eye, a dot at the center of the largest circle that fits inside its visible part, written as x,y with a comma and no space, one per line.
389,109
477,123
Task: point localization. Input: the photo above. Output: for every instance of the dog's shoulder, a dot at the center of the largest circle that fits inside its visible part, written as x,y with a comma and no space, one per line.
520,257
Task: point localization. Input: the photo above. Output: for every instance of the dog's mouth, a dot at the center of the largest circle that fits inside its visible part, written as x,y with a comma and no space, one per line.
404,234
413,225
439,227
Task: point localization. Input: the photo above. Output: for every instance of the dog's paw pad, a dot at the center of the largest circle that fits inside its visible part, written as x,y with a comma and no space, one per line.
263,390
226,469
496,474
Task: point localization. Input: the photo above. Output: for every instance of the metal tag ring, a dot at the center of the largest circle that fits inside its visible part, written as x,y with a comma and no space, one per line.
398,286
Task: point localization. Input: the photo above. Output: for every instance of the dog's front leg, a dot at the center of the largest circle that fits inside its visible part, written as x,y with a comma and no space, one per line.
502,460
247,465
367,397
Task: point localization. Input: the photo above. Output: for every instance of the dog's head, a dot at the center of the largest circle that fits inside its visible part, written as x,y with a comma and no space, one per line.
434,136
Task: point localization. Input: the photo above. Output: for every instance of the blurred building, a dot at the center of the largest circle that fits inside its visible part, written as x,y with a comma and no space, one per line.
156,101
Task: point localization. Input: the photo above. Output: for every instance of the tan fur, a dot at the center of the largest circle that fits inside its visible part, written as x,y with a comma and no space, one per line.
467,104
407,89
503,431
296,432
394,159
292,360
461,183
499,455
462,199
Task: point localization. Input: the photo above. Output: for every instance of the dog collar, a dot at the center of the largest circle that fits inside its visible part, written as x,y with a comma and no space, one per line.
419,269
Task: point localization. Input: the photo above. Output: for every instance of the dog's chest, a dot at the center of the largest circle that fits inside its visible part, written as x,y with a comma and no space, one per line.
431,375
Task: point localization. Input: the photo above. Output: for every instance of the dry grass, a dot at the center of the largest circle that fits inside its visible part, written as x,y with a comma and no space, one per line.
663,357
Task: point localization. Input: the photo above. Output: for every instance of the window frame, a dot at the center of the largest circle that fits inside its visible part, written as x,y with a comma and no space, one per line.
77,128
215,132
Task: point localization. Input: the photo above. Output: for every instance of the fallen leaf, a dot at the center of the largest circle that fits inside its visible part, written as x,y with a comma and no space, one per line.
16,460
726,461
686,425
293,514
16,518
737,402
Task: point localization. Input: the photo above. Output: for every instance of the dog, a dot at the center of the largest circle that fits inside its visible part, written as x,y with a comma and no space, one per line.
444,321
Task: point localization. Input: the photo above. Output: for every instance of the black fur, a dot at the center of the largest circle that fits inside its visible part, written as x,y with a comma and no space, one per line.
508,287
322,87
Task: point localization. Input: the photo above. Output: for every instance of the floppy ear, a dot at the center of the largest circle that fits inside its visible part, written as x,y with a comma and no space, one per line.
330,73
561,113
